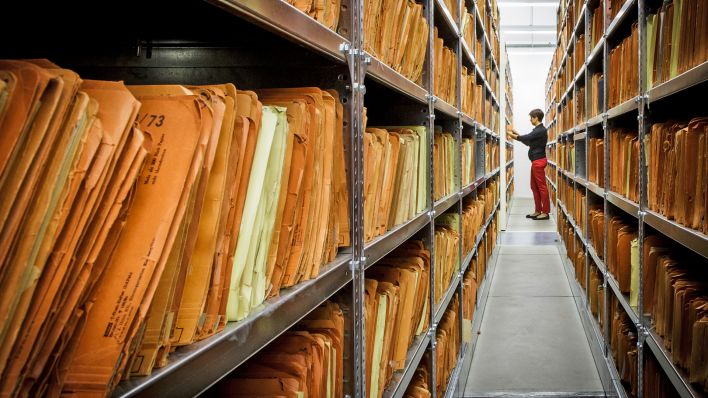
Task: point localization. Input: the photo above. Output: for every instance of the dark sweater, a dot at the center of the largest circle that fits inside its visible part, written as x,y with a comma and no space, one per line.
536,141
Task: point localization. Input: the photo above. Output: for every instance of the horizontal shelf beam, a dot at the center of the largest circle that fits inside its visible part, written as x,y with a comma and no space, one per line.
401,379
442,205
194,368
385,75
677,376
690,238
623,203
381,246
688,79
447,297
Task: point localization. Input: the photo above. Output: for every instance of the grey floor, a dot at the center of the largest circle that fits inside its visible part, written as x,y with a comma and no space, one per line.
531,341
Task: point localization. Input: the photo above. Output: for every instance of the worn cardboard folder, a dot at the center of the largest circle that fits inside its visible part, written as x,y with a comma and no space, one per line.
181,140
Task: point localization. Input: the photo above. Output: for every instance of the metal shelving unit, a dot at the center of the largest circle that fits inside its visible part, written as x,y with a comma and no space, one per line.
333,59
649,101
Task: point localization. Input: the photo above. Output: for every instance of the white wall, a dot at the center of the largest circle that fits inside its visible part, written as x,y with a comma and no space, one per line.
528,72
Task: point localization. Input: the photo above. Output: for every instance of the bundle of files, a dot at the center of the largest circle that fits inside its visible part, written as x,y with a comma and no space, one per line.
677,157
597,25
596,94
324,12
396,311
510,153
565,119
418,386
131,261
624,163
71,155
468,161
624,70
621,237
580,114
579,55
444,71
596,160
677,39
448,346
472,220
596,294
395,176
579,264
656,383
596,219
676,297
492,154
396,32
482,258
451,6
472,94
623,343
579,208
444,150
469,291
468,28
447,252
306,361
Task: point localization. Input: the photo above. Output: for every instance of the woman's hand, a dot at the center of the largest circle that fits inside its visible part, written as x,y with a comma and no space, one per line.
511,133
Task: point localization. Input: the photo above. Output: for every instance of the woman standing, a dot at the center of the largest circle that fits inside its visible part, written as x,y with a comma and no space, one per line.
536,141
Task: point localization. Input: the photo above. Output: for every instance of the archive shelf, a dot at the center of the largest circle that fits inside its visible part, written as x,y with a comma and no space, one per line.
390,78
597,190
581,181
194,368
690,78
399,383
445,203
623,108
690,238
623,203
598,261
622,299
677,376
509,184
622,14
595,120
582,135
446,298
510,163
553,184
450,22
382,245
286,20
597,51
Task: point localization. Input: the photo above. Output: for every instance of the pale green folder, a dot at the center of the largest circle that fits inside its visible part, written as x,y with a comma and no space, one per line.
651,49
676,39
253,215
378,344
634,281
421,181
452,221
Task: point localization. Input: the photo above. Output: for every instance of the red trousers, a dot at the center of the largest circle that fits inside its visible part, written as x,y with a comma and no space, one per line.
539,187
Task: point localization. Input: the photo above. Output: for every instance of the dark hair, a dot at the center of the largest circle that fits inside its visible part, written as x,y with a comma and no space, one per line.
537,113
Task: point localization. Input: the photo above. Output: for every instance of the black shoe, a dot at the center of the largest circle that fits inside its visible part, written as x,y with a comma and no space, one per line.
541,218
531,216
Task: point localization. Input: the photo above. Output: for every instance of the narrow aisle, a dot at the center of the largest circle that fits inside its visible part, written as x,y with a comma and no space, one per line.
531,338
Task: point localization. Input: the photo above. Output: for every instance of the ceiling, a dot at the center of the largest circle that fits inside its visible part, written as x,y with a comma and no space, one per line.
528,25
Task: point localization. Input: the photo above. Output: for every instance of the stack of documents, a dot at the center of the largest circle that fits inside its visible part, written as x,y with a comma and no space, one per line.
597,26
596,294
396,311
71,155
396,32
445,71
444,150
677,161
676,294
623,343
472,220
471,94
324,12
579,265
579,57
395,176
655,378
596,92
419,387
469,291
448,346
468,161
468,28
596,161
596,219
306,361
619,243
148,216
580,113
451,6
580,207
677,39
624,163
447,252
623,69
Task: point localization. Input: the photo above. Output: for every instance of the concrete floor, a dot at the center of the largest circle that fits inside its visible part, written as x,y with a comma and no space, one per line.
532,341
